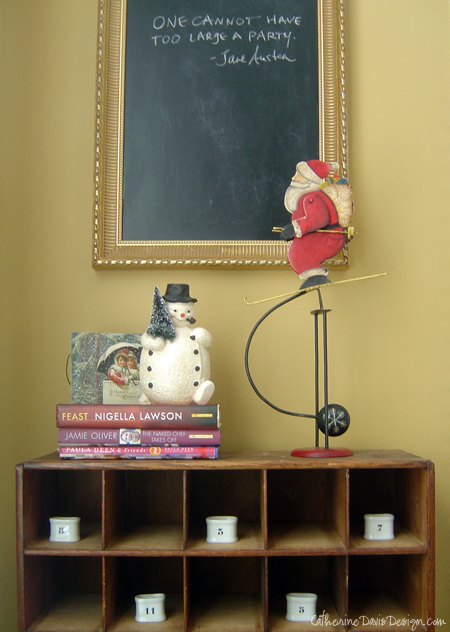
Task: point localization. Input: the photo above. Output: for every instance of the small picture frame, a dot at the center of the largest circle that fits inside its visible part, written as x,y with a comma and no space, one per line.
105,368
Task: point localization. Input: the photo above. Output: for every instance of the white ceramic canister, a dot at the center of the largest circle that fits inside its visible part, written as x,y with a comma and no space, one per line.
301,606
150,608
64,529
221,529
379,526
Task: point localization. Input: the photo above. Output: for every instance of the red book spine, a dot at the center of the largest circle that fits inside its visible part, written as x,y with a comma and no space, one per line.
136,416
136,452
139,436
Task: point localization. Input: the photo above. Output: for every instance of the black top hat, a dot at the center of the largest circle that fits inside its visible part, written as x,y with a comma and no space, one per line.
178,293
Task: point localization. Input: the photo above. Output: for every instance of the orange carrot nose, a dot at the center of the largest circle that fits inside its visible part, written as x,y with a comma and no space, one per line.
182,315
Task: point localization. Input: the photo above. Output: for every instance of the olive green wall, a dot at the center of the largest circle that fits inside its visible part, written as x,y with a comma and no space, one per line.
389,337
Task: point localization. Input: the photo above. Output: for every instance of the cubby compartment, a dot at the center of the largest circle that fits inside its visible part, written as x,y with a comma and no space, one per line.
402,492
326,576
144,510
307,509
226,593
126,577
386,592
64,493
66,594
225,493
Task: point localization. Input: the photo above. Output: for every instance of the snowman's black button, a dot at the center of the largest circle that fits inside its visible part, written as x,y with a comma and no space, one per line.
196,351
197,368
150,352
149,368
150,385
196,383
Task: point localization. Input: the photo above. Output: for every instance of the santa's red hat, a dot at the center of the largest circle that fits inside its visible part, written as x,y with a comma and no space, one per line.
316,170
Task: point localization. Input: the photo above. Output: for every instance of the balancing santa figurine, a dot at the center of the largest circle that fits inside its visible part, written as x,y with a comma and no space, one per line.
321,203
175,365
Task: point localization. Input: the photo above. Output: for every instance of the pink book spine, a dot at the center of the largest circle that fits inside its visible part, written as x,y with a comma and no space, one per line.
138,436
187,452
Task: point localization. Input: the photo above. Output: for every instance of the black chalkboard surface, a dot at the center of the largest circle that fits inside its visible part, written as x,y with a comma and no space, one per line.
221,102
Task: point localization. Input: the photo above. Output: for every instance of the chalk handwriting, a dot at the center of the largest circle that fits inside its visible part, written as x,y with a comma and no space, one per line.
206,20
228,59
214,38
270,37
295,20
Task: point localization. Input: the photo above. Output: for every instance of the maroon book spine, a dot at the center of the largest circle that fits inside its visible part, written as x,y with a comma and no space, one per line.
136,416
139,436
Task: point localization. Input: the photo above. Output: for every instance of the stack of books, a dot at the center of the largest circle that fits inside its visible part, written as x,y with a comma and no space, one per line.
135,431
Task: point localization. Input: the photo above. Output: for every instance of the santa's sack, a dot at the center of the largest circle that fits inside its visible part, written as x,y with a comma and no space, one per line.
342,197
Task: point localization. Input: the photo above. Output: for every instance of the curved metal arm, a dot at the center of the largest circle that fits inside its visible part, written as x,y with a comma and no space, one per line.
247,349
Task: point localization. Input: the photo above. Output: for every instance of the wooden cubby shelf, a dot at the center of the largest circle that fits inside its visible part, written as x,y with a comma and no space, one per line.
300,529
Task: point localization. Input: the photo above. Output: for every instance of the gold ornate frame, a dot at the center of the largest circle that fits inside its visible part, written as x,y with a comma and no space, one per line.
109,250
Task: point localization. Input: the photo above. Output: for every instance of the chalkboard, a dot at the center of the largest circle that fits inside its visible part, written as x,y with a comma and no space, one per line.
204,108
221,102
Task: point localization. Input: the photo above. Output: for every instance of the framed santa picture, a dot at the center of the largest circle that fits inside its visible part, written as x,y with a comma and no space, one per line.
204,109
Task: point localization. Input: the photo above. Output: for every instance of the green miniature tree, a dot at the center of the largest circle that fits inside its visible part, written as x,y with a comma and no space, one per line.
161,325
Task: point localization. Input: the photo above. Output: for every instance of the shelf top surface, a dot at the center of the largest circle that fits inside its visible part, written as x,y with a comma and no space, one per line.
239,460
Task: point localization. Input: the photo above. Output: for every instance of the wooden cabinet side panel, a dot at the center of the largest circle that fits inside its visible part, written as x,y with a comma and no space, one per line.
265,591
339,586
340,504
42,587
186,593
113,505
430,593
19,550
411,585
411,498
40,491
263,509
186,506
109,590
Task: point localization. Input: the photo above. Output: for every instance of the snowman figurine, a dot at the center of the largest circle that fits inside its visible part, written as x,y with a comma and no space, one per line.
175,365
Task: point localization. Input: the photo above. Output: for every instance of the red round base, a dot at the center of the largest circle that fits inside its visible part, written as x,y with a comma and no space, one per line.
321,453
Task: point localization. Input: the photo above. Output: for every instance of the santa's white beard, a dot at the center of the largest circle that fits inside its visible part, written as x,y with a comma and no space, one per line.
295,192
